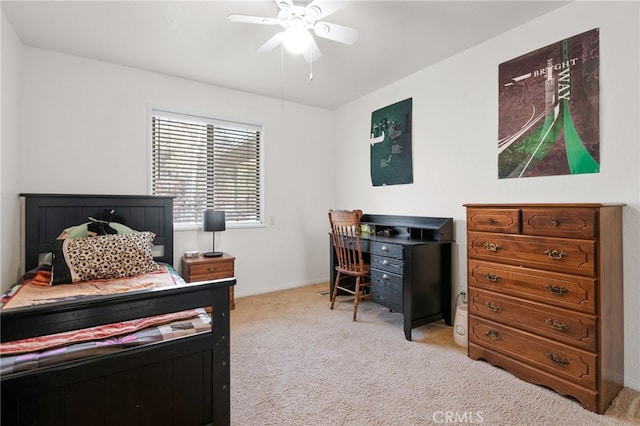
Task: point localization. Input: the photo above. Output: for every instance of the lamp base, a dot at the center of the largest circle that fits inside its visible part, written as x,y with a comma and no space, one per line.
212,254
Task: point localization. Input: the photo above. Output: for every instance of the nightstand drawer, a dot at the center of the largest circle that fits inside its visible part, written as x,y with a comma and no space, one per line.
222,269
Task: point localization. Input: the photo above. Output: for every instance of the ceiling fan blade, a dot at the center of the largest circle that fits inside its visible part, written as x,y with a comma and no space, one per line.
313,52
318,9
271,43
252,19
336,32
285,4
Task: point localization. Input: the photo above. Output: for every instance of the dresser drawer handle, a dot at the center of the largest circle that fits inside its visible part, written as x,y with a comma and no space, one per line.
493,307
490,220
385,262
556,289
556,325
556,360
492,247
555,254
492,277
493,335
385,248
555,223
385,276
211,268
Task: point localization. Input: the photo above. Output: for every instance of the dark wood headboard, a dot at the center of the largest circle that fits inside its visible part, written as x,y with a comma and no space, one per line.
47,215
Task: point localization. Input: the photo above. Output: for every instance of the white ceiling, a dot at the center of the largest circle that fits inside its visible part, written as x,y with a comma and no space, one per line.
195,40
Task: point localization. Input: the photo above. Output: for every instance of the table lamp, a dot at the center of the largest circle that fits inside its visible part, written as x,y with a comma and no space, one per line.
213,221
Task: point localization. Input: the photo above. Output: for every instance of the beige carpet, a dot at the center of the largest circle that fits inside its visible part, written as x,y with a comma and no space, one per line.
296,362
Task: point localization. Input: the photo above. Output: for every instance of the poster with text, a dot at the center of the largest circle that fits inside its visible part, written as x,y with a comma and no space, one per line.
548,114
390,139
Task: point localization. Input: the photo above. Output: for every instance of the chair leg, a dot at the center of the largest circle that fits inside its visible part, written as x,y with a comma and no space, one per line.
335,290
356,298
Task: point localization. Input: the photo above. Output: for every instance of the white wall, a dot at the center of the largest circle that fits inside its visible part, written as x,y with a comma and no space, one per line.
455,140
9,209
83,129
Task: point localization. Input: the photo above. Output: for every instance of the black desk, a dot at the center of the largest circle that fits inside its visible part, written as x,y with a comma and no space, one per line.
410,260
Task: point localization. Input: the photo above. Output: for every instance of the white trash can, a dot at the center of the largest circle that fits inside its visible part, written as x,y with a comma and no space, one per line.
460,326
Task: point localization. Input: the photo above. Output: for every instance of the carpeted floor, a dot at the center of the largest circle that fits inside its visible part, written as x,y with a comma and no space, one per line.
296,362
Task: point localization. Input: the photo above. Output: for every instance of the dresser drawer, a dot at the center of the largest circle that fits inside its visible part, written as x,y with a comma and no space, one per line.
567,362
505,220
558,222
386,289
562,290
388,264
553,254
562,325
384,249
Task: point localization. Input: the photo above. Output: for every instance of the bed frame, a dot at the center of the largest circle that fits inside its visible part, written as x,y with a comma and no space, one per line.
180,382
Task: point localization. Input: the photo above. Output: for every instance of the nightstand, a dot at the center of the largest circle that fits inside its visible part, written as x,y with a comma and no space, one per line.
209,268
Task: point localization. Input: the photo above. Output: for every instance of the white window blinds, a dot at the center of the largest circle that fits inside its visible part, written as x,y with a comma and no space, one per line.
207,164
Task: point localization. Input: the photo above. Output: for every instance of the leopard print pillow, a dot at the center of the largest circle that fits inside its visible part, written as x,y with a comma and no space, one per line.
102,257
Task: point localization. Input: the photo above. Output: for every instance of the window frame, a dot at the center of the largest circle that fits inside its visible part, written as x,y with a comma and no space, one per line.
208,118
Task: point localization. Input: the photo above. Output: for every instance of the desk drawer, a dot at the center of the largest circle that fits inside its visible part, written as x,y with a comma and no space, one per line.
388,264
386,289
385,249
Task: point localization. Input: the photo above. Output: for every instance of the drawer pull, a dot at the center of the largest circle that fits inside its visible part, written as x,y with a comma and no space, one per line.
385,276
385,262
492,247
492,277
555,254
556,325
557,361
556,289
385,248
493,335
490,220
493,307
555,223
211,268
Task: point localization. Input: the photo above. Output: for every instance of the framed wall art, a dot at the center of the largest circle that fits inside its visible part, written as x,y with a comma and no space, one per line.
548,118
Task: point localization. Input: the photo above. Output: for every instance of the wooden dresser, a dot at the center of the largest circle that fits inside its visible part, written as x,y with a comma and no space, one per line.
210,268
545,295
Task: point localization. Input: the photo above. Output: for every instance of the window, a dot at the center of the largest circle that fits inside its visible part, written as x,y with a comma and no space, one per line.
205,164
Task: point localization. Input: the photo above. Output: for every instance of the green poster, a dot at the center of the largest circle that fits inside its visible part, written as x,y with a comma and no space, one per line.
548,118
391,162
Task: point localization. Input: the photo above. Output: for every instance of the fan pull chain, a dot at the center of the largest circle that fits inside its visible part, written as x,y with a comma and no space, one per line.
311,65
281,76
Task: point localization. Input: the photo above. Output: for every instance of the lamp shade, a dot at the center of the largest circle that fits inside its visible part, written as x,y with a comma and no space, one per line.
214,220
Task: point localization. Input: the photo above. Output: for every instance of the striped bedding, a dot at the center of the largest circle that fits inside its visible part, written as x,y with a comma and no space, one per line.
50,350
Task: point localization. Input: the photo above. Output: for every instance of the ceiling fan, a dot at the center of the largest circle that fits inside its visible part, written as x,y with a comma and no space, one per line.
297,20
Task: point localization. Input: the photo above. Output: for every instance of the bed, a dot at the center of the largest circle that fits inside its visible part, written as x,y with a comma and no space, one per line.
184,381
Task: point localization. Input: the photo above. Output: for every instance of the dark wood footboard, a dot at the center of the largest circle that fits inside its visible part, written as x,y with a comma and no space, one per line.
180,382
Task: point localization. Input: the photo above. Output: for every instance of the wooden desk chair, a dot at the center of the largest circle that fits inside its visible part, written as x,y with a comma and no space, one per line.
345,227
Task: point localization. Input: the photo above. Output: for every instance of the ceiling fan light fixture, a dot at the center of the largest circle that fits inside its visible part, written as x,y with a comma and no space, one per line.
296,39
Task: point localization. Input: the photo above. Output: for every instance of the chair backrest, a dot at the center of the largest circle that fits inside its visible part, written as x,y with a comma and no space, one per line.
345,227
